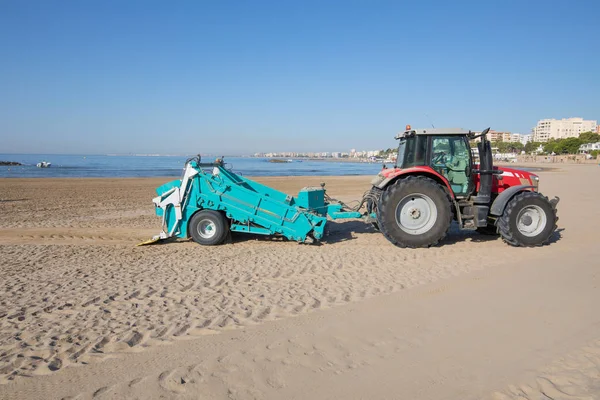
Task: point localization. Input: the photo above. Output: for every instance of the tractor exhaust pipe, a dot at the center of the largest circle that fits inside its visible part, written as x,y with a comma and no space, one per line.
486,170
485,177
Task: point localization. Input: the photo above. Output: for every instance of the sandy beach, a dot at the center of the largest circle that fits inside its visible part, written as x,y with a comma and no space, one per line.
84,313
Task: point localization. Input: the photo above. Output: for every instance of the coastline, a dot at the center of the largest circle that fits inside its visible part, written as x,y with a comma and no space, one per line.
532,167
328,159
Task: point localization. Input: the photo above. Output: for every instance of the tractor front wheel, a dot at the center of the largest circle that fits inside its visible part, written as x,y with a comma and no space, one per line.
414,212
208,227
528,220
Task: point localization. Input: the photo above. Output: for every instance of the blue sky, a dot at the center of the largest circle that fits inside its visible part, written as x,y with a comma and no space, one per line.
240,77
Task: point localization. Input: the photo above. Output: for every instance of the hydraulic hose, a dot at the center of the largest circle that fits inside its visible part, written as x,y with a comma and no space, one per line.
368,195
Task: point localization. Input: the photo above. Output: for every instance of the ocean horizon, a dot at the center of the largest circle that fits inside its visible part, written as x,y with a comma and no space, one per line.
154,165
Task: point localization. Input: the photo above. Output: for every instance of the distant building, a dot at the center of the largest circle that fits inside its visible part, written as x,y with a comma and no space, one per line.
547,129
586,148
598,129
506,137
526,139
494,136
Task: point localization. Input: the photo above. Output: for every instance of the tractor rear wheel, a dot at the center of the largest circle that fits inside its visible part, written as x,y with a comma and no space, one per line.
415,212
208,227
528,220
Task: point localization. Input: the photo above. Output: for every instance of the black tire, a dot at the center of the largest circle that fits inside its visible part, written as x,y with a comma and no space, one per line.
401,190
208,228
508,222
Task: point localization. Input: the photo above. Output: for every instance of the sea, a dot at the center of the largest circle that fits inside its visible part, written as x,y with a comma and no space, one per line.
143,166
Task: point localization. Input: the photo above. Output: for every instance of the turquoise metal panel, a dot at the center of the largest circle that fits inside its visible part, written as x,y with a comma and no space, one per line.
345,215
313,199
250,229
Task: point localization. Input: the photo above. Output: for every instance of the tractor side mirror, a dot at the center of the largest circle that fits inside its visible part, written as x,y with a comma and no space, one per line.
485,131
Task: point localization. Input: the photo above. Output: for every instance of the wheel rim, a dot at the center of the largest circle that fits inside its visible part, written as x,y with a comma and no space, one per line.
416,214
206,229
531,221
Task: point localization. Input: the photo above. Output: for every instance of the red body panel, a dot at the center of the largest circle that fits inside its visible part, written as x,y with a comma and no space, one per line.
510,177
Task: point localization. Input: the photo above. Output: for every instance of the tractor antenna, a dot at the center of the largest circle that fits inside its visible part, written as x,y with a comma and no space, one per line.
427,115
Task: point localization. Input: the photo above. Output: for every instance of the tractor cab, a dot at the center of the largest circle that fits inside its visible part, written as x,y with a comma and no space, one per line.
445,151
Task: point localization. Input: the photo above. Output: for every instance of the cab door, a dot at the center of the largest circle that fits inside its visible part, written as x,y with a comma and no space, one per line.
450,157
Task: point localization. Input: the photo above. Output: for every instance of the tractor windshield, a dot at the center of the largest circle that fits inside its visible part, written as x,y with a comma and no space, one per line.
411,151
401,149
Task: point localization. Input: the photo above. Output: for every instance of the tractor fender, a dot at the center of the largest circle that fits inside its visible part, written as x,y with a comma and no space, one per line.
503,198
382,182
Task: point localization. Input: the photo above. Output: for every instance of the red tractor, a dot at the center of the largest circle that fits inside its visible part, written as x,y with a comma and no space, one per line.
436,180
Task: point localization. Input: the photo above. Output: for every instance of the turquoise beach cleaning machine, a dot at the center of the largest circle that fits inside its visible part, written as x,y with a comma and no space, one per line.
210,201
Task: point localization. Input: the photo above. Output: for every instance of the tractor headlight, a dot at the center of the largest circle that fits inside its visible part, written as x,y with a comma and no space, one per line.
535,181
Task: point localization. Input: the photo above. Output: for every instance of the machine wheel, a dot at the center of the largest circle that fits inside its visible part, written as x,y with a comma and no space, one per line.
415,212
528,220
208,227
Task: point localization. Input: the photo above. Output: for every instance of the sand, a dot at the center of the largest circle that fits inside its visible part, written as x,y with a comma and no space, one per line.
86,314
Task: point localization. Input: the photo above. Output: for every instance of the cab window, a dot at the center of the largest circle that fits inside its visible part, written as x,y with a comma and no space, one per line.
416,149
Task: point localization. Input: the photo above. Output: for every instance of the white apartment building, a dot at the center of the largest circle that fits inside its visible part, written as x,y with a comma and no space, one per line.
547,129
526,139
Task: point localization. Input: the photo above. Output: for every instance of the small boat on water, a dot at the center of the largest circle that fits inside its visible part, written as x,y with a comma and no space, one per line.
43,164
278,161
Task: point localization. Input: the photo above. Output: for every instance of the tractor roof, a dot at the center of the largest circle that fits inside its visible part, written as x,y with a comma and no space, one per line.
433,131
